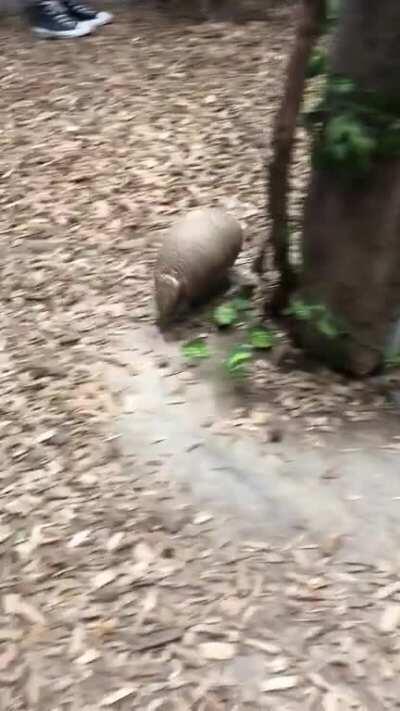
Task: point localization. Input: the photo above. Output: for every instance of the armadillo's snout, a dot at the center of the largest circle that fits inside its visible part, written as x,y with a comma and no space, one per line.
167,293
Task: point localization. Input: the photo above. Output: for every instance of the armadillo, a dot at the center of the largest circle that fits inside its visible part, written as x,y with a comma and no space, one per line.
194,260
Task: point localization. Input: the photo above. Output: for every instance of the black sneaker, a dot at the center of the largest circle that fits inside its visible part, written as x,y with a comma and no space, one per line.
83,13
49,19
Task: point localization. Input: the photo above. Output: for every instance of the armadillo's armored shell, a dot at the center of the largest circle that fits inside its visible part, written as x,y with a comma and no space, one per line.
194,258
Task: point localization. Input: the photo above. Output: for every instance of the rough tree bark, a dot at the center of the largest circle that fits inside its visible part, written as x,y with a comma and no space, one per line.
351,234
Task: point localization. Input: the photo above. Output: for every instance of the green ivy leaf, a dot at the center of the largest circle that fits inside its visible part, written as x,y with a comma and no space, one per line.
197,349
333,9
241,304
348,142
301,310
317,64
392,361
339,152
342,87
225,315
327,328
261,339
238,359
339,129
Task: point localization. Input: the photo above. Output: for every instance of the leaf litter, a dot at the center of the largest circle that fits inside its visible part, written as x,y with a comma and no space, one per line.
87,589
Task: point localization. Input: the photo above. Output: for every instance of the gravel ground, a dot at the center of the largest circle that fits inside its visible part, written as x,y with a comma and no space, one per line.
117,592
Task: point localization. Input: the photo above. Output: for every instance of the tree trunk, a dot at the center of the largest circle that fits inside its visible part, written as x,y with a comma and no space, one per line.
351,231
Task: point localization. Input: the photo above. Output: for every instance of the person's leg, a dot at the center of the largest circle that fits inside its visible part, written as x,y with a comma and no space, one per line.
50,19
83,13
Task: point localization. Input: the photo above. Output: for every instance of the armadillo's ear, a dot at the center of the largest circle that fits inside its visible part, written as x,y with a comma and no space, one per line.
167,293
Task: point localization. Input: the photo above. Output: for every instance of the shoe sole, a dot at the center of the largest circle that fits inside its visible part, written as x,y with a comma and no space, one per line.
43,33
104,18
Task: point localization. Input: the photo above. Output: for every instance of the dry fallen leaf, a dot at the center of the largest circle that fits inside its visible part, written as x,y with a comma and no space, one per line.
87,657
5,533
280,683
8,656
264,646
331,702
232,606
105,577
31,613
116,696
143,553
10,634
115,541
77,641
150,601
278,665
14,604
217,651
202,517
104,628
79,538
102,209
158,638
390,619
388,590
33,688
25,550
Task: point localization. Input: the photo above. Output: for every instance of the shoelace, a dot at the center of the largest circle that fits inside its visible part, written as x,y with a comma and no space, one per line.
79,7
56,10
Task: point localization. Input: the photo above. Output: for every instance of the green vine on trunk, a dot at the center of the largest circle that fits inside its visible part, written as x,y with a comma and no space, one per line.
352,129
319,315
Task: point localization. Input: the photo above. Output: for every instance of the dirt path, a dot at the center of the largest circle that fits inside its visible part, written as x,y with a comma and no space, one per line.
137,580
345,485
